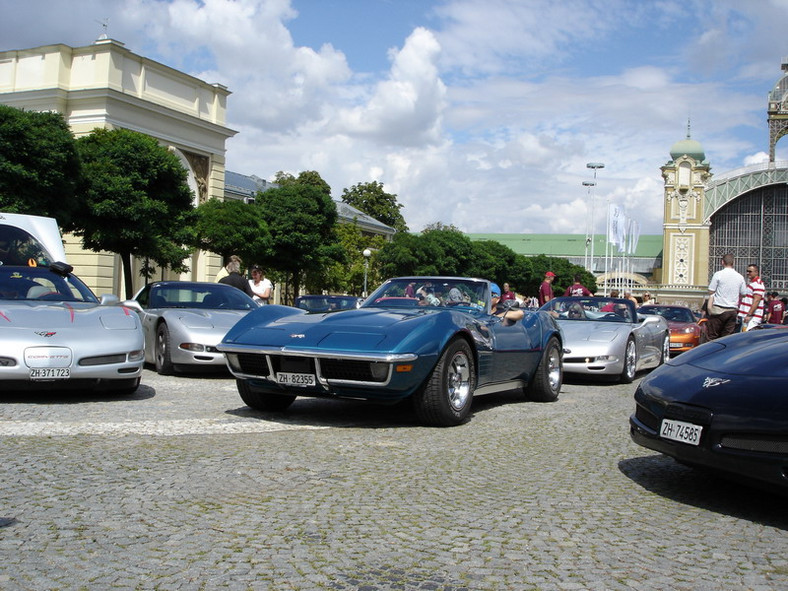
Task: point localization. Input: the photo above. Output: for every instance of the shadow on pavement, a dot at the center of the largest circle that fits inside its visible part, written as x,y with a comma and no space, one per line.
707,490
76,396
319,412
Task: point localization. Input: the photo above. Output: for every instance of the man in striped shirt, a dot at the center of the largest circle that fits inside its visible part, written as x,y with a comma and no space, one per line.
751,306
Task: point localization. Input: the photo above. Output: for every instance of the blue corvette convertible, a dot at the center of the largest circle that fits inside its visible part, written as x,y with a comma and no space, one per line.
432,339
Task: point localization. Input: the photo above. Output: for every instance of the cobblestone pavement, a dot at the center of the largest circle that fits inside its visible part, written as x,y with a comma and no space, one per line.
182,487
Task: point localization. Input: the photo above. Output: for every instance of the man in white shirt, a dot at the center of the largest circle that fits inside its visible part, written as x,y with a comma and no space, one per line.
725,290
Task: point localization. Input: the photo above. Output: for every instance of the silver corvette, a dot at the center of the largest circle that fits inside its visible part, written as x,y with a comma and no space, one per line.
183,322
55,333
606,336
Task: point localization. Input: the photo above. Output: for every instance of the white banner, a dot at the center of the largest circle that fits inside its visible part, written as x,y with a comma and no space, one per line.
615,217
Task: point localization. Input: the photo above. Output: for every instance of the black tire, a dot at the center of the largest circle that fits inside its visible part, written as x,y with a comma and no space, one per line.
546,383
665,349
164,364
630,362
262,400
446,397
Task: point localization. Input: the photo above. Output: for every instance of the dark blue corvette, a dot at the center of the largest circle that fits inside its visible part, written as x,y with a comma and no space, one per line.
433,339
722,406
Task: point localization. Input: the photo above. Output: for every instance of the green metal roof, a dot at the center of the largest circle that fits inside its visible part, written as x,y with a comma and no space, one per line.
567,245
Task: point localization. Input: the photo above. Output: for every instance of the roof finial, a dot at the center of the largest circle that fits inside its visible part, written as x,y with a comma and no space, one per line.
688,127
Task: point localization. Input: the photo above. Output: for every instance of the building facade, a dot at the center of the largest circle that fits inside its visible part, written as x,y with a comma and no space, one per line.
104,85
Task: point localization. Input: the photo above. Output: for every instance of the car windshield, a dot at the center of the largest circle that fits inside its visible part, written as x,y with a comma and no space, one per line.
209,297
42,284
410,292
672,313
327,303
593,309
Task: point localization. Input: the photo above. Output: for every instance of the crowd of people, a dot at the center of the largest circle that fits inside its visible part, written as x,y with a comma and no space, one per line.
738,304
734,303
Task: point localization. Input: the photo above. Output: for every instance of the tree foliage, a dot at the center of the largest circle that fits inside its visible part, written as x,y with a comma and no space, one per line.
137,202
375,202
301,218
445,250
305,177
232,227
39,166
347,275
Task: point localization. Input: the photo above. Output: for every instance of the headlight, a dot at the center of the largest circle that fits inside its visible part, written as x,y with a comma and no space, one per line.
137,355
194,347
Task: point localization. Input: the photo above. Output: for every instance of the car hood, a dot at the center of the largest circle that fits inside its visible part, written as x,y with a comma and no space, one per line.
207,319
365,329
58,316
759,353
578,331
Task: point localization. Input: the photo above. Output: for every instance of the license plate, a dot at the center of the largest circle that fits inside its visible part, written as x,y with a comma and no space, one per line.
50,373
680,431
676,345
295,379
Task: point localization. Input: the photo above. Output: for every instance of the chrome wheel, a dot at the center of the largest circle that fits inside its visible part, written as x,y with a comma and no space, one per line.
630,362
458,380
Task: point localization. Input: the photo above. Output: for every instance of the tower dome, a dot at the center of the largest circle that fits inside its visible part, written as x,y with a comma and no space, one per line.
688,146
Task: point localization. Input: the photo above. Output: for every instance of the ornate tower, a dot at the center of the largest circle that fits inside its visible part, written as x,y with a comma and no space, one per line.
685,242
778,110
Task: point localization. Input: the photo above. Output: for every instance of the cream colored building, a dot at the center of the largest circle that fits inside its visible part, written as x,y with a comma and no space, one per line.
685,246
104,85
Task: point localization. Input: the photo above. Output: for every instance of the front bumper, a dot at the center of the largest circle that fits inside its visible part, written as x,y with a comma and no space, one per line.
725,445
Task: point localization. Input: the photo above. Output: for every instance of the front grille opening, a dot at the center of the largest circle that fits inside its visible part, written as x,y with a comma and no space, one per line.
103,360
355,371
755,443
293,364
253,364
690,414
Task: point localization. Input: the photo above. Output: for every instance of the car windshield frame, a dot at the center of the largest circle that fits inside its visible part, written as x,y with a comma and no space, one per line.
591,309
431,293
20,283
208,296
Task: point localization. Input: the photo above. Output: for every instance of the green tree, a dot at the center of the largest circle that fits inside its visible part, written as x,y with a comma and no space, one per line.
137,202
306,177
231,227
347,275
374,201
301,219
39,165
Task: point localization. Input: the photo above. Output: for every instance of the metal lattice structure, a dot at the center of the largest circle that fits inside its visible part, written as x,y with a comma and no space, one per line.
750,220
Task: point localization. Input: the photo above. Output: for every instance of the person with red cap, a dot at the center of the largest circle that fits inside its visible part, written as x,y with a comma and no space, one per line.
546,288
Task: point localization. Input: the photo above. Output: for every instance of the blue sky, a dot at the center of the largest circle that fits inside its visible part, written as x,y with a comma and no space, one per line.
478,114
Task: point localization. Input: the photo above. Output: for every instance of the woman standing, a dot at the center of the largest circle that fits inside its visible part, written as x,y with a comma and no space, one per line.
261,286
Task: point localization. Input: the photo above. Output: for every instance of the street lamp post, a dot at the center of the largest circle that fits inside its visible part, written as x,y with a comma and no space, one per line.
589,240
595,166
367,253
